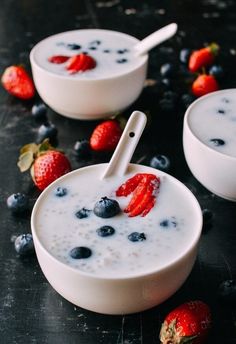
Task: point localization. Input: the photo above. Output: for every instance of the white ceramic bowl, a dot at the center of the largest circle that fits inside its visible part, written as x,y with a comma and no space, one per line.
213,169
119,295
89,98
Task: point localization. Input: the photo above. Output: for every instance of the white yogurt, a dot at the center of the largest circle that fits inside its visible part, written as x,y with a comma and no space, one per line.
213,121
59,230
113,52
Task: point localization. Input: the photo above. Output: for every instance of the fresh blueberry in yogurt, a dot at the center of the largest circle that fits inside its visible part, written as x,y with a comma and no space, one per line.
96,42
106,51
93,48
105,231
169,223
160,162
221,111
73,46
136,236
60,191
82,213
121,60
217,142
80,252
225,100
24,244
122,51
18,203
106,208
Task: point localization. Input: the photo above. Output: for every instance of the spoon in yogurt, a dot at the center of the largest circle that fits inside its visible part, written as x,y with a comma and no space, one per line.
155,39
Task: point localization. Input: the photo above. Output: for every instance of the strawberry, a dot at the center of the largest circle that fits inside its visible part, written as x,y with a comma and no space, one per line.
203,57
204,84
105,136
46,163
18,83
80,63
58,59
188,323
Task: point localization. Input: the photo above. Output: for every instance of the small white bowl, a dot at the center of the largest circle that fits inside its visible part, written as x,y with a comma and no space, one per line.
111,294
214,169
95,96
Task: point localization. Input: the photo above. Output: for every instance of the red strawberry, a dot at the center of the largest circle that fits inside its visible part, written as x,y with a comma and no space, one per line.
18,83
46,163
58,59
106,136
203,57
204,84
188,323
80,63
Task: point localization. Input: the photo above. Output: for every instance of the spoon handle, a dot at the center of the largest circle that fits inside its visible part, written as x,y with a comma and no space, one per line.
126,146
155,38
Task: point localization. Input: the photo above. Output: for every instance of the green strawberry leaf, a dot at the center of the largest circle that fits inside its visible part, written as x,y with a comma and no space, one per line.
45,146
25,161
30,147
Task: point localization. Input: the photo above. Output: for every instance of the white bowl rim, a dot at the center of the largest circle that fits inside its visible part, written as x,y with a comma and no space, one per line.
33,61
186,123
120,277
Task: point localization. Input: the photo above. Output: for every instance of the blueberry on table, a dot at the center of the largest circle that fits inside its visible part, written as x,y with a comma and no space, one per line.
187,99
80,252
106,208
82,213
227,291
168,101
60,191
82,149
217,71
217,142
47,130
24,245
184,55
207,219
167,70
18,203
136,236
105,231
39,111
160,162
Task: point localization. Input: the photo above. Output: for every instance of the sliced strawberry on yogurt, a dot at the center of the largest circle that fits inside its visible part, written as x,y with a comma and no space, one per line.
80,63
58,59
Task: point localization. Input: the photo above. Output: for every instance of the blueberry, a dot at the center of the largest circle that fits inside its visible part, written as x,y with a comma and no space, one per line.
217,71
24,244
122,51
47,130
227,291
105,231
60,192
93,48
166,83
184,55
217,142
18,203
167,70
80,252
221,111
39,111
169,101
136,236
207,219
106,208
82,149
160,162
169,222
106,51
82,213
121,60
96,42
187,99
73,46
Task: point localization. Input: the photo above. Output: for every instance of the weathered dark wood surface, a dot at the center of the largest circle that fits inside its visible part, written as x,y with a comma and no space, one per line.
30,310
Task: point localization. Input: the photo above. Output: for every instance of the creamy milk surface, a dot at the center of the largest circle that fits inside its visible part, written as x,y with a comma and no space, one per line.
170,227
113,52
213,121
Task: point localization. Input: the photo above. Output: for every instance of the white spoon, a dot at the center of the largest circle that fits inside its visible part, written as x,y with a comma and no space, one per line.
155,38
126,146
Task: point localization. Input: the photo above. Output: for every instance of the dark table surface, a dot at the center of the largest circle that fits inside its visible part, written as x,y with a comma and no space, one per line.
30,310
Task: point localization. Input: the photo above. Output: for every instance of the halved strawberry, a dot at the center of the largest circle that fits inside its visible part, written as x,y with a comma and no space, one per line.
58,59
80,63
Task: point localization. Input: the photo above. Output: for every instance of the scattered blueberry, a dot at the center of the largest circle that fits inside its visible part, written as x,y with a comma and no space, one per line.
169,223
107,51
184,55
122,51
93,48
105,231
169,101
82,149
24,244
217,71
187,99
73,46
47,130
121,60
106,208
166,83
227,291
60,192
82,213
80,252
136,236
39,111
207,219
18,203
160,162
167,70
217,142
221,111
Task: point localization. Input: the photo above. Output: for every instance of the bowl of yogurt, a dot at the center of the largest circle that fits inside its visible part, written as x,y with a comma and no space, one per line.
130,259
209,141
92,73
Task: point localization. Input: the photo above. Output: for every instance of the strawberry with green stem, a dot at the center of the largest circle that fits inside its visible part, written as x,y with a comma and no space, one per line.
203,57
